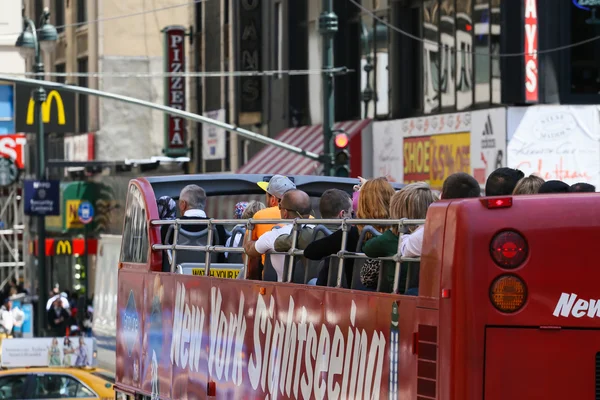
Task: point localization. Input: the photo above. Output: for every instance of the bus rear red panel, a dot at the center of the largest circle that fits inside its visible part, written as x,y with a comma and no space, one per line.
533,363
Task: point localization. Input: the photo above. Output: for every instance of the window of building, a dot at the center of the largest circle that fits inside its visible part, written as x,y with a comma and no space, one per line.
585,59
82,102
431,57
59,15
495,32
7,109
278,38
481,16
464,55
81,11
448,54
60,69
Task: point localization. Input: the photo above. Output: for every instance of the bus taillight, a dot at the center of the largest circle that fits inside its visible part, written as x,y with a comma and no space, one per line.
508,293
509,249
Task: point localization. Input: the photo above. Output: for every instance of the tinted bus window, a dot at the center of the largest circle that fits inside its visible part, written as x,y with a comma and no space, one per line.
135,232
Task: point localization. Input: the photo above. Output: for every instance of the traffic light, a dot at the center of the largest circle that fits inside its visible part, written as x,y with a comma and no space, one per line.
341,159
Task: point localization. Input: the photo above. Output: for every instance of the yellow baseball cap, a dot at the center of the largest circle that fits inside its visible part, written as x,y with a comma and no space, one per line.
277,186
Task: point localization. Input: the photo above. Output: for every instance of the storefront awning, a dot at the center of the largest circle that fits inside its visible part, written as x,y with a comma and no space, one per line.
273,160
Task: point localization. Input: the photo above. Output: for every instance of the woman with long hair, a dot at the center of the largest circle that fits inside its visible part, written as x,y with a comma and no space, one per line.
373,202
412,202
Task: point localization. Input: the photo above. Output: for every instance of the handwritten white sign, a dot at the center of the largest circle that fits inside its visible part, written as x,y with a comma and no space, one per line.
558,143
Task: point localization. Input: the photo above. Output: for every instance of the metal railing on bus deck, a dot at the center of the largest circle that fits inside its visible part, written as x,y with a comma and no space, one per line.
342,254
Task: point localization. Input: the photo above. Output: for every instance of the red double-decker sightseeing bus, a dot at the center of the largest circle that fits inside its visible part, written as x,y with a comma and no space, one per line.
507,308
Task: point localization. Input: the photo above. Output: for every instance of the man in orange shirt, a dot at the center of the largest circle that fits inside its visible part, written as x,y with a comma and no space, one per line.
277,186
275,189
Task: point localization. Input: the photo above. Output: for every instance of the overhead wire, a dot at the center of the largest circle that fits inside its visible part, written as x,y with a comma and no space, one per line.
493,55
154,10
336,71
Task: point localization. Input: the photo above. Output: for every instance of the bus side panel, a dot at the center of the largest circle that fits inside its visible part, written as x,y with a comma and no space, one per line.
130,319
158,328
259,339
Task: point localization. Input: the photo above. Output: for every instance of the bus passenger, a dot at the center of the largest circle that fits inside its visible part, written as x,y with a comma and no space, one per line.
529,185
373,203
277,186
294,204
411,202
167,210
192,201
502,181
457,186
243,210
554,187
334,204
582,187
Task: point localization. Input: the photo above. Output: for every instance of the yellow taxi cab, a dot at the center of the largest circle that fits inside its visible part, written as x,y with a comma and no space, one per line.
53,368
56,383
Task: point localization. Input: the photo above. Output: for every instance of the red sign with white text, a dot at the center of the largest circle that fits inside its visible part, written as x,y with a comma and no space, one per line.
13,147
256,340
175,90
531,47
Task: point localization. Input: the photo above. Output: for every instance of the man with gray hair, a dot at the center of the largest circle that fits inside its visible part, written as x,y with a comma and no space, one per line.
192,201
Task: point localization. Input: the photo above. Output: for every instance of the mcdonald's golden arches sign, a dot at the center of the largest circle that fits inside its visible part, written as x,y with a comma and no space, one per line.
59,111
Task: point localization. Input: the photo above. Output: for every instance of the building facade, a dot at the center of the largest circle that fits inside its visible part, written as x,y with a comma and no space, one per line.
123,53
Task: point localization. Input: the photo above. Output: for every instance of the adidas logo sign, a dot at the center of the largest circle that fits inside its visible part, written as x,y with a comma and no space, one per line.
488,141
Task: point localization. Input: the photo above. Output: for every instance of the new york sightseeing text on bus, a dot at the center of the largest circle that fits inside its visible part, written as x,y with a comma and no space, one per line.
507,304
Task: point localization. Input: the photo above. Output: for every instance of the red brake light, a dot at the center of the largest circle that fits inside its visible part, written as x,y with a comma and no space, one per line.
503,202
509,249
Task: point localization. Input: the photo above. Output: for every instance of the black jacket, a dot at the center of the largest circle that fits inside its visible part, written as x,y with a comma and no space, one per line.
330,245
58,322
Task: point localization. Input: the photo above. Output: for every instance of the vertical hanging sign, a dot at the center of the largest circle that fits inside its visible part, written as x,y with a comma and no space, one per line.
249,60
531,48
175,133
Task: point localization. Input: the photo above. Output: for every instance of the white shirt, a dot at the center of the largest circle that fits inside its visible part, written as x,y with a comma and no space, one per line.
412,244
195,213
6,319
266,243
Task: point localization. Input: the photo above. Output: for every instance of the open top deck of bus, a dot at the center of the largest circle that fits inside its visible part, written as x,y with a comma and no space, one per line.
507,307
245,184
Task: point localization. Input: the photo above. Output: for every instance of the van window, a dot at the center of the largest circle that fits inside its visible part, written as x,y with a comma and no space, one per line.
135,232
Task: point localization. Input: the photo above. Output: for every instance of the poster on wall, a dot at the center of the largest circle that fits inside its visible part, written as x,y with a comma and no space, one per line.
557,143
214,138
76,351
387,150
392,144
488,142
432,159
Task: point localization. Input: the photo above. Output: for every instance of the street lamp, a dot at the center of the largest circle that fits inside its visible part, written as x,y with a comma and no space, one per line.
31,42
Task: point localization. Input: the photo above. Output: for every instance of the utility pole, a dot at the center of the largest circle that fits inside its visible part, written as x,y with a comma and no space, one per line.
328,26
32,42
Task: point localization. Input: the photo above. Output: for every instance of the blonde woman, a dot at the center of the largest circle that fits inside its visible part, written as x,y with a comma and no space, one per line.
528,185
412,202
